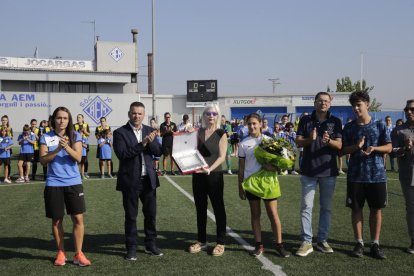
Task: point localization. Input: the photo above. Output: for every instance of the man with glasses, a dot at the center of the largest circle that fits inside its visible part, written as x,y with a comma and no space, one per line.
402,143
320,135
167,128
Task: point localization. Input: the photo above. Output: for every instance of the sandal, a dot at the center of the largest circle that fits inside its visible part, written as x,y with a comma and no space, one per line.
218,250
197,247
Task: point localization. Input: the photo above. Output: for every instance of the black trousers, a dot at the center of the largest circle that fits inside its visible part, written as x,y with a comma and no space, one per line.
204,187
148,197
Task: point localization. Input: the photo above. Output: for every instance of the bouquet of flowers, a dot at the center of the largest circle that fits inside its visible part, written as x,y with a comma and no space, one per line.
277,152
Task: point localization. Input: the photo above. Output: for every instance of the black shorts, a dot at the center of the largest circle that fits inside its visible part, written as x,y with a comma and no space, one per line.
252,197
56,198
36,156
166,149
84,159
105,160
374,193
26,157
5,161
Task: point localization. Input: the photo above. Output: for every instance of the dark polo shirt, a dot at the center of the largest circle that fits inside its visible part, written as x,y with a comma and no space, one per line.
319,160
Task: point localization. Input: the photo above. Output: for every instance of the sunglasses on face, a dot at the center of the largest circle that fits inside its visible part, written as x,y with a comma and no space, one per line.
211,114
409,109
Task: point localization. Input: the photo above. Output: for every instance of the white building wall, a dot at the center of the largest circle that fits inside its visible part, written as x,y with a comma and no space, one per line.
22,107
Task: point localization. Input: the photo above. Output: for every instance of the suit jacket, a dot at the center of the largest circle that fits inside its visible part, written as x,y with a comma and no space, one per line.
128,151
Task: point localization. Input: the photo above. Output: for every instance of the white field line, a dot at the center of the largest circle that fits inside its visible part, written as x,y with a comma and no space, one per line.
267,264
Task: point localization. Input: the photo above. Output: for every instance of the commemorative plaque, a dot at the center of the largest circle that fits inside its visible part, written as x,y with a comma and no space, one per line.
185,153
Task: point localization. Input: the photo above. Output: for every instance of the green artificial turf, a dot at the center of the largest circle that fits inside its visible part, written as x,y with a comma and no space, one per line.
27,246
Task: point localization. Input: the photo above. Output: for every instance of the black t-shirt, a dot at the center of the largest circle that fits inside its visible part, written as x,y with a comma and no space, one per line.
167,131
319,160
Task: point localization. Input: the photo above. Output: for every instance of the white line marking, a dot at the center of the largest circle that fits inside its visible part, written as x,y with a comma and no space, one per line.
267,264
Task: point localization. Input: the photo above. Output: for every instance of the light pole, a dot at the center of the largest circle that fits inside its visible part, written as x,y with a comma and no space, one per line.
362,70
94,30
274,83
154,113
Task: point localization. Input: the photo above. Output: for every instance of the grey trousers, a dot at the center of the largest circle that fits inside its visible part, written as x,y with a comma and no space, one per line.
408,192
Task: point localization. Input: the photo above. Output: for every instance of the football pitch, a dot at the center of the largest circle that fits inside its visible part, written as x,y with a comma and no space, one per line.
27,245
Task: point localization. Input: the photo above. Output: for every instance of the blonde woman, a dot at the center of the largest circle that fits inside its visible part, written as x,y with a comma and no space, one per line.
209,183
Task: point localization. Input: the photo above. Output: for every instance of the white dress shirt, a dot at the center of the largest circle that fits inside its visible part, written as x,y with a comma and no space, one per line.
138,135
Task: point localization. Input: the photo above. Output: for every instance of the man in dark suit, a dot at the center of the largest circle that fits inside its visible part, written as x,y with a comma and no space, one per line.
135,145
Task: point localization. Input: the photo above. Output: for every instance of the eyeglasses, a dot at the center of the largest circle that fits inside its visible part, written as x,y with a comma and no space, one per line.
322,101
167,117
409,109
211,114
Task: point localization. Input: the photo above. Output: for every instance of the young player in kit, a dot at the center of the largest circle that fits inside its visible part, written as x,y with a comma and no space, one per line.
367,141
86,132
157,158
61,150
247,166
26,141
36,131
5,123
43,128
290,136
105,152
85,144
6,143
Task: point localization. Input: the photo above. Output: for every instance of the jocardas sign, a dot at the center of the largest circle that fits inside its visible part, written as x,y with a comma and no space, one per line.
21,107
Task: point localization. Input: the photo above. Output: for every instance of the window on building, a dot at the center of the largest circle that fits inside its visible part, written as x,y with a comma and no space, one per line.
67,87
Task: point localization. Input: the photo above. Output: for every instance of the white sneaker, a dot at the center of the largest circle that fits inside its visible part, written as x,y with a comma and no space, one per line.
341,172
26,179
305,249
20,180
285,172
229,172
294,173
6,180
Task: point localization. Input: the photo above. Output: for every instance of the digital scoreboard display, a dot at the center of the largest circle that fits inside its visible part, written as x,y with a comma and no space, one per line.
201,90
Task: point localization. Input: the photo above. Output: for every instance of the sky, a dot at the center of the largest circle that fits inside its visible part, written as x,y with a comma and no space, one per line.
242,44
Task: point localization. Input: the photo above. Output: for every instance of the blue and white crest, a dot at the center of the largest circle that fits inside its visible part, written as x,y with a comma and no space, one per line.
96,109
116,54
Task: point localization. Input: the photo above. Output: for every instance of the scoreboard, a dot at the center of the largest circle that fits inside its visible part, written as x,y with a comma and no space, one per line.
201,90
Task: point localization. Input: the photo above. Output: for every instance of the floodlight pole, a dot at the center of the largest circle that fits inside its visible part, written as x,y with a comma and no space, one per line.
94,30
274,83
154,113
362,69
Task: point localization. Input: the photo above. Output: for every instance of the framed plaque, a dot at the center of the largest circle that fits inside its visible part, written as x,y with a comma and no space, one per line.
185,153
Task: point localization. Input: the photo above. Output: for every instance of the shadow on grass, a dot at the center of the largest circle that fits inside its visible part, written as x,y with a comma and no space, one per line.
107,244
292,242
113,244
10,247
